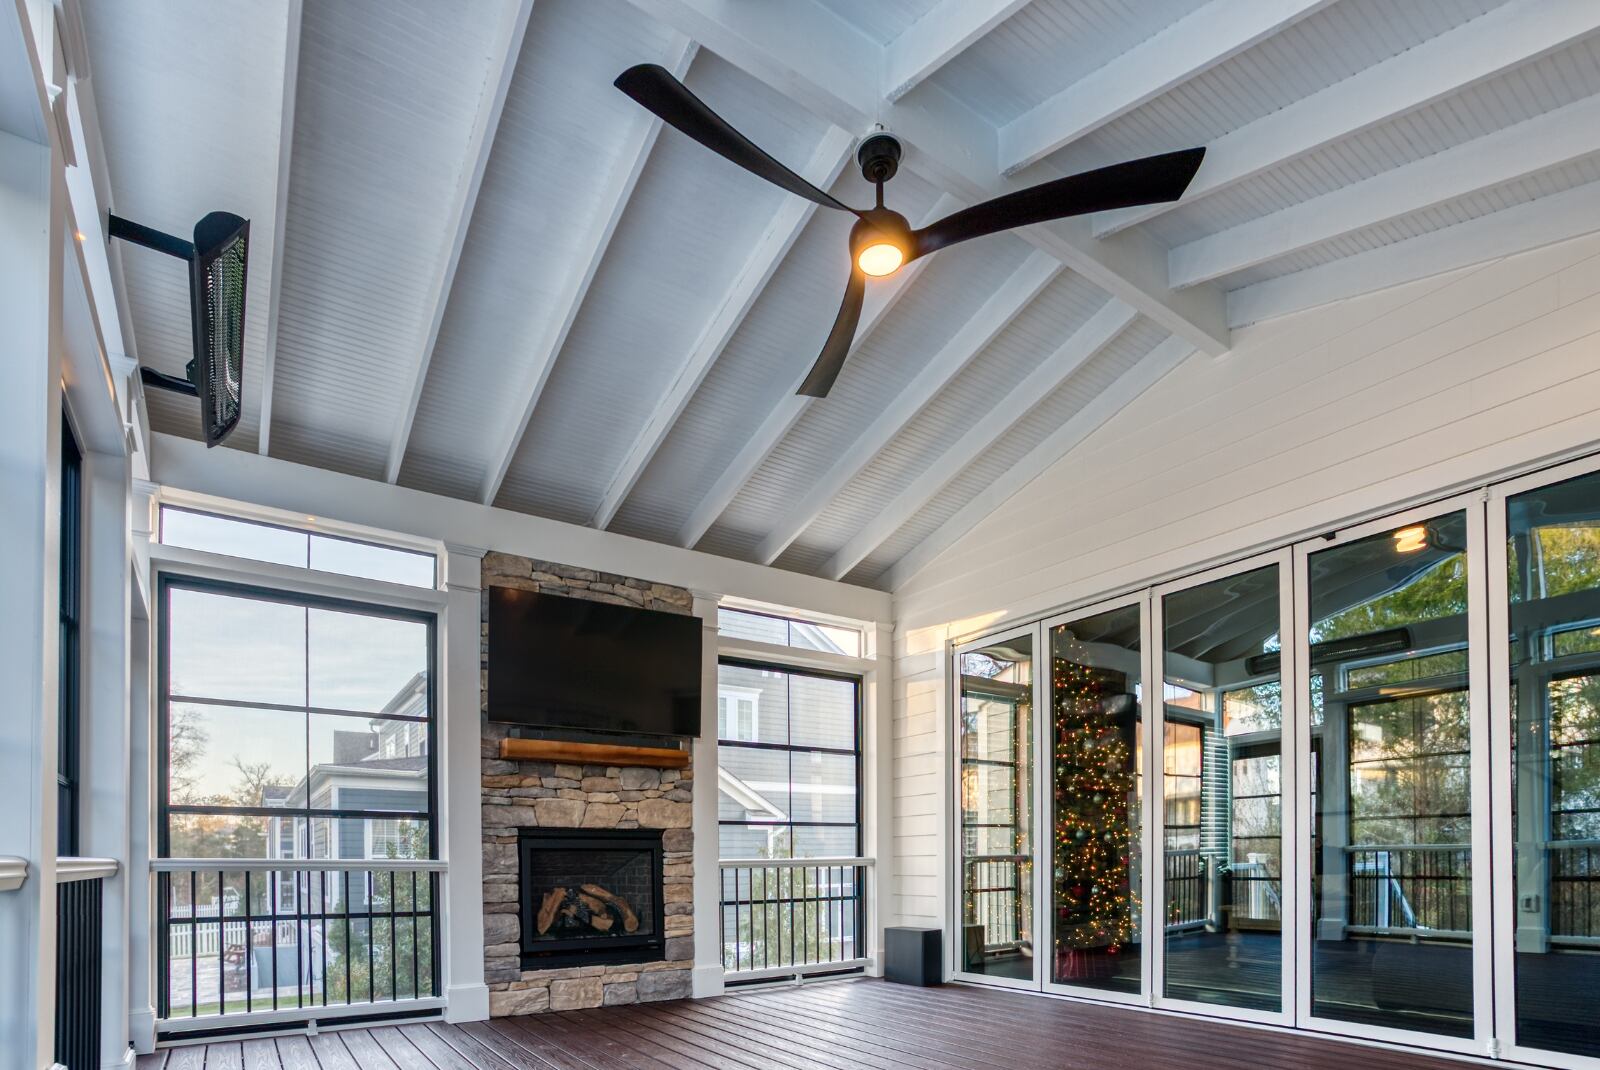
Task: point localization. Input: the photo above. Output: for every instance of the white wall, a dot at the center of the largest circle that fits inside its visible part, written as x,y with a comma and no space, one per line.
1311,420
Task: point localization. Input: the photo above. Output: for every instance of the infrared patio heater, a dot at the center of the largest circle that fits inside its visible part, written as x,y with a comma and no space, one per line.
217,259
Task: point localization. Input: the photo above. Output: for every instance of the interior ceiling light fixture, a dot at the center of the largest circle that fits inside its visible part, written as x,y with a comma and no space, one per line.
881,241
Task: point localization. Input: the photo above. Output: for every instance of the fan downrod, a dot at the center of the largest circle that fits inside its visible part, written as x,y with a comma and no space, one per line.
879,157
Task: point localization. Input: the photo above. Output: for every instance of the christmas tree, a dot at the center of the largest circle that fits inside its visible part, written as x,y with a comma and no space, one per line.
1096,784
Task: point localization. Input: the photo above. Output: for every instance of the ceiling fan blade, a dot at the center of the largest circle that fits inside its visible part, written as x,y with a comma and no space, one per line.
1150,180
654,87
837,347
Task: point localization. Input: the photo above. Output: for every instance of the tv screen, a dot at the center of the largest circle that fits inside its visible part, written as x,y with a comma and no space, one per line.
559,662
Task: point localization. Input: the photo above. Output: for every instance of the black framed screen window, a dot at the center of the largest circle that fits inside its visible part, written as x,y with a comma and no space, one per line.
789,756
68,699
294,727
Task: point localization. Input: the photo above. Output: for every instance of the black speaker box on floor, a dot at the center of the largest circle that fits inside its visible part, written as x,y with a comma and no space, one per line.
911,956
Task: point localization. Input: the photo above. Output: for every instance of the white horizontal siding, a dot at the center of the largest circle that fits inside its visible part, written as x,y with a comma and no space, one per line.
1311,420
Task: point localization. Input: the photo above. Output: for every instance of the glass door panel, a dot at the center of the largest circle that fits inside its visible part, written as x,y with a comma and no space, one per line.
1222,874
996,809
1392,829
1096,811
1553,590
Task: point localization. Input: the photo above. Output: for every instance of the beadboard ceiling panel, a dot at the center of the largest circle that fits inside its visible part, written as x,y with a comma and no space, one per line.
387,95
608,330
180,155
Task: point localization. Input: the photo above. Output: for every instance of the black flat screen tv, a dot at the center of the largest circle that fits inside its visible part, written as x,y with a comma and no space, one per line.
559,662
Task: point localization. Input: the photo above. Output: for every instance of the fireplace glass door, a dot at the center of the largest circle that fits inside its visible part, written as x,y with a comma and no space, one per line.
590,896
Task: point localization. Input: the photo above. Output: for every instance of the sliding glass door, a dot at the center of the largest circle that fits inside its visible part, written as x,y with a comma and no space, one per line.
1372,805
1221,885
1095,823
1395,757
1545,548
995,813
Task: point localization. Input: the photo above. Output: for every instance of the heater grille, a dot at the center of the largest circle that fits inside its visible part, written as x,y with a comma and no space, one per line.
223,292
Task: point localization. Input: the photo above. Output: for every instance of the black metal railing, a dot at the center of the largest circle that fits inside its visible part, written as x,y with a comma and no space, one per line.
791,916
79,920
274,936
1188,888
1574,868
994,888
1413,889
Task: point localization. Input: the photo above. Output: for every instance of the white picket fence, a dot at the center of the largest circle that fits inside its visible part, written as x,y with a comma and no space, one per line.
181,938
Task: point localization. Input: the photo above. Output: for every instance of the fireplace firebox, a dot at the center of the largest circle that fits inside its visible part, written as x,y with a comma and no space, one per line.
590,896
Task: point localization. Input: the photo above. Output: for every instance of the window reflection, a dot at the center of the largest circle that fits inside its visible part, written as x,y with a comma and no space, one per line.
1553,583
1222,786
996,809
1391,842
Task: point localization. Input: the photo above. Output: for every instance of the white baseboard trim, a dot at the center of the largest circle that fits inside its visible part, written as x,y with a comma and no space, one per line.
124,1063
467,1003
142,1029
706,981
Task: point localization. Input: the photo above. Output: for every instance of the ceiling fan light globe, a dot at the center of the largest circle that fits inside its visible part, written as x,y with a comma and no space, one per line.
880,258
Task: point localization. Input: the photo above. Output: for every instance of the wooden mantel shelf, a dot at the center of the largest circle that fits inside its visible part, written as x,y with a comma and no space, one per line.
555,750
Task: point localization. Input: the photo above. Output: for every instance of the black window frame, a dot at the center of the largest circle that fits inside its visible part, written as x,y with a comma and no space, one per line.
790,748
69,704
169,582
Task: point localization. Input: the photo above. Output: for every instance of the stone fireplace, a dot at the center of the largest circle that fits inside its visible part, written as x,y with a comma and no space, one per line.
533,809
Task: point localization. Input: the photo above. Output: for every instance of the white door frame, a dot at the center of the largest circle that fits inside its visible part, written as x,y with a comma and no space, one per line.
1481,1043
1045,816
955,952
1504,830
1289,814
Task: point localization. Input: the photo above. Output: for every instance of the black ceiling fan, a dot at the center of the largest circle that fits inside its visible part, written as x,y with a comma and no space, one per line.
881,241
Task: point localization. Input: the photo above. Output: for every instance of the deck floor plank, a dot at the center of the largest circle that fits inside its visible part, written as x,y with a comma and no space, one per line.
831,1026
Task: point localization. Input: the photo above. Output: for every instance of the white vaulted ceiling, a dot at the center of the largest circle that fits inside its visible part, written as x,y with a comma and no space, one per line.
479,270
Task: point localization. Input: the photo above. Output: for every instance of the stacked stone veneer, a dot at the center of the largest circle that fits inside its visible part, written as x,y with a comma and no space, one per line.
549,795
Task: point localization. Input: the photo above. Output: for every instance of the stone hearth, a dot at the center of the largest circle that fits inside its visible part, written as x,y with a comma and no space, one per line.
519,794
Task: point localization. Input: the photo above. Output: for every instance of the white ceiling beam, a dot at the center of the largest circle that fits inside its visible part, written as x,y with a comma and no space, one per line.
825,165
613,201
1533,145
480,143
280,214
881,298
1183,50
1081,346
816,59
1085,422
937,38
1518,229
1004,305
1473,52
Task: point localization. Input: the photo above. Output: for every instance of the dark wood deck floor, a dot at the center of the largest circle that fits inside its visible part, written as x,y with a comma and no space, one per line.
840,1026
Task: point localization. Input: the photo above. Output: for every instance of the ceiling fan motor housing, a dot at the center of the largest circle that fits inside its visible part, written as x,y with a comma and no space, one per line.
879,157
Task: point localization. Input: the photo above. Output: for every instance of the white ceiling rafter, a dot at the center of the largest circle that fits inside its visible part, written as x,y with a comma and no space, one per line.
614,201
817,60
1185,49
881,297
291,76
1543,142
480,143
1521,228
826,163
1128,386
1486,46
938,37
1004,305
1081,346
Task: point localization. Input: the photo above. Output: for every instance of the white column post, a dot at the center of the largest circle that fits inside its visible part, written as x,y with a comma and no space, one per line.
31,204
140,761
104,745
707,979
877,762
461,736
